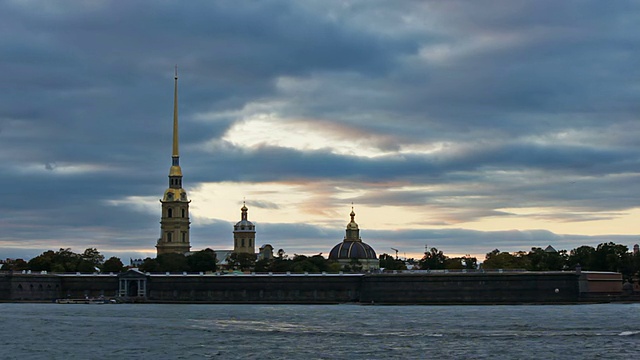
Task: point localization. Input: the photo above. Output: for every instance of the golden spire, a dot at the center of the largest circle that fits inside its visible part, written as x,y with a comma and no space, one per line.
175,170
175,116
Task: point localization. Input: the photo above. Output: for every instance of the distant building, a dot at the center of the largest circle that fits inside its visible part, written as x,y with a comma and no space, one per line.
352,252
265,252
550,249
174,223
135,262
244,234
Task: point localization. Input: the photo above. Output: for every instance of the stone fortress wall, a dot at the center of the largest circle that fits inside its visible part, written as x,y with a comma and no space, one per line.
401,288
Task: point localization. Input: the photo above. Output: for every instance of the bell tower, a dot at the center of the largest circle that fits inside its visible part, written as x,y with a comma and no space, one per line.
244,234
174,223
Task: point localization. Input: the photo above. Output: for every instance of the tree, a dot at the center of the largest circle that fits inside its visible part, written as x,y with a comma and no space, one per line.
202,261
388,262
93,256
86,266
42,262
113,264
583,255
65,260
433,259
504,260
541,260
172,262
150,265
242,261
15,265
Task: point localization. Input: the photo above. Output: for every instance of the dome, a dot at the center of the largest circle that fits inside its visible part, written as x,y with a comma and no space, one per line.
352,250
244,224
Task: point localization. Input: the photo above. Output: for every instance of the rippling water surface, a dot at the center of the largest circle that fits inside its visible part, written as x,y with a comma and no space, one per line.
141,331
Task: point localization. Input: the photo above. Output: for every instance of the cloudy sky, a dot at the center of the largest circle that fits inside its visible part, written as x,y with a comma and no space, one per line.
462,125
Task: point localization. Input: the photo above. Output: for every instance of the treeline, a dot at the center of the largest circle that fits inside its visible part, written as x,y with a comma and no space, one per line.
65,260
605,257
200,261
206,260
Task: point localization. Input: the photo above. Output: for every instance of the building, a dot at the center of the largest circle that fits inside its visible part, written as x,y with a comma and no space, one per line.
352,252
174,223
244,234
265,252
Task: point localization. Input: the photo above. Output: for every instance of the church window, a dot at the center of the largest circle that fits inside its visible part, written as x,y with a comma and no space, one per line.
169,236
183,212
249,242
169,212
184,236
236,243
242,242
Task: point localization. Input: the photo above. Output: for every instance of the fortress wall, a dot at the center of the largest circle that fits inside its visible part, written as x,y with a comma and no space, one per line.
255,289
470,288
433,288
29,287
89,286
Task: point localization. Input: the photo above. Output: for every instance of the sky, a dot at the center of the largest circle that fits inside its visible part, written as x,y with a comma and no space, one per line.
462,125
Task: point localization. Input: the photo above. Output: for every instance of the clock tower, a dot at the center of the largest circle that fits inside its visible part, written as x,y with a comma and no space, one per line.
174,223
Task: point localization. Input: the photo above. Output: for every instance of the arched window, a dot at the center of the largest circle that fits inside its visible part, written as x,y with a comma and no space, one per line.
249,242
242,242
169,212
169,236
184,213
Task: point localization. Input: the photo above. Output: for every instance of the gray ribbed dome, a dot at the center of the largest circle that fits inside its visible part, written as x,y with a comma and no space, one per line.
352,250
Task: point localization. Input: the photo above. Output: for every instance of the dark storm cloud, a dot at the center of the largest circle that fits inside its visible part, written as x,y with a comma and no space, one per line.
534,101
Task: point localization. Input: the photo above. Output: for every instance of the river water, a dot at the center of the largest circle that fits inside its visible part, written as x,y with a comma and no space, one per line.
154,331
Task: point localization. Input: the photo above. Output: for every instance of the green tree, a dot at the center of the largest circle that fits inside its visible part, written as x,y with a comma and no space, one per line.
150,265
93,256
42,262
113,264
433,259
65,260
388,262
15,265
611,257
242,261
263,265
203,260
86,266
583,255
504,260
541,260
173,262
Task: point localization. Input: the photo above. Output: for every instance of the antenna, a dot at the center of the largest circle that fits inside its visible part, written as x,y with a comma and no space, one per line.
396,250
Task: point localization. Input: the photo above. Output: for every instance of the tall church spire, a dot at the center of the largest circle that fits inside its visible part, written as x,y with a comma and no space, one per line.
176,153
174,224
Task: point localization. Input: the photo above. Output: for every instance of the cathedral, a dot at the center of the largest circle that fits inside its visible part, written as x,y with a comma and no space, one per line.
174,224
